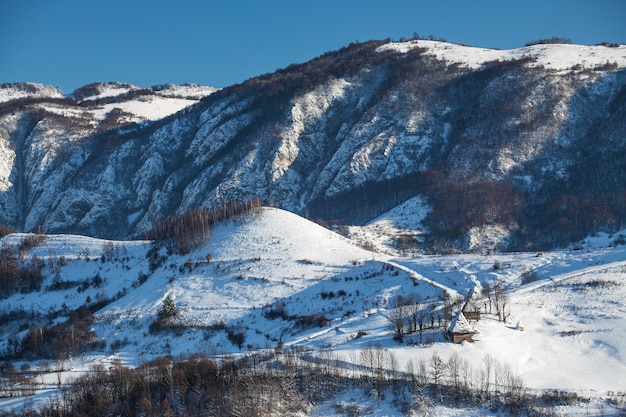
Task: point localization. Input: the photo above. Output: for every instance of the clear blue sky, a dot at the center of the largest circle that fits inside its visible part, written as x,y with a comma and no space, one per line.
71,43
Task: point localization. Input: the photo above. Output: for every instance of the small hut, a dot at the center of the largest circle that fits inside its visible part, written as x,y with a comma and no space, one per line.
472,314
470,309
460,329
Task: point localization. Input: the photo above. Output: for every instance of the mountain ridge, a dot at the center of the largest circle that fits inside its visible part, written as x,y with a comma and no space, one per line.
346,137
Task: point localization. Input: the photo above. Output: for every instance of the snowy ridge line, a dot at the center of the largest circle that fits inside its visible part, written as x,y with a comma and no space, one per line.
158,102
558,57
415,275
330,138
557,279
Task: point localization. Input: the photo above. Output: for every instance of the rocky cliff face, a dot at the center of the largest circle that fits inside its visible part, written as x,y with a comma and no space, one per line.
529,141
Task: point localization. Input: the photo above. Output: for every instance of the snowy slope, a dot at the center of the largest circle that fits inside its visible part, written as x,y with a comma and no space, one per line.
153,108
386,232
253,263
164,100
569,316
275,260
149,104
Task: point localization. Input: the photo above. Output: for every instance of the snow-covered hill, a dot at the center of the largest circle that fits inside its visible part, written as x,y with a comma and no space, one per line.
140,104
510,150
9,92
270,278
95,102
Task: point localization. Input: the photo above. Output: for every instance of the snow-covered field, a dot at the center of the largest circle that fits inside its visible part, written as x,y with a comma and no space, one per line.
274,262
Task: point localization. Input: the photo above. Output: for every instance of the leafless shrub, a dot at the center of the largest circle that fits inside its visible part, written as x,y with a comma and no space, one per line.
607,66
30,241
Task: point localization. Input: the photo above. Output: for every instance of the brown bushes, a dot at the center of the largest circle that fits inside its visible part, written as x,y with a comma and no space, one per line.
18,276
5,230
62,340
552,40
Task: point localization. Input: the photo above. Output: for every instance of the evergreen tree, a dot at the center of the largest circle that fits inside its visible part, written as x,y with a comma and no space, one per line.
168,308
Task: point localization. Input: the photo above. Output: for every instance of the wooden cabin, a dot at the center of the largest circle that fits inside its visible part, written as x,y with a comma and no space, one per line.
472,315
470,309
460,329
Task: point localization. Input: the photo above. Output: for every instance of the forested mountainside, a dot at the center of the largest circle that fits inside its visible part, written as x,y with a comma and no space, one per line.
527,145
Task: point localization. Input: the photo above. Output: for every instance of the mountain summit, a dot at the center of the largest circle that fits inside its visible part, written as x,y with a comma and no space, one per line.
515,149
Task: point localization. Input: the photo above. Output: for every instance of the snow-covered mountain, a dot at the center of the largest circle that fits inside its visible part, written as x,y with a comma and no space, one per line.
512,149
270,280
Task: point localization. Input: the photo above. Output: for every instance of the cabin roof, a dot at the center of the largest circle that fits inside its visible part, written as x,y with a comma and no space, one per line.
460,325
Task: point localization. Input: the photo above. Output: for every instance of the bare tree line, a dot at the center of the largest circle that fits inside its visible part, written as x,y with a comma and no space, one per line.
410,315
291,381
17,274
192,229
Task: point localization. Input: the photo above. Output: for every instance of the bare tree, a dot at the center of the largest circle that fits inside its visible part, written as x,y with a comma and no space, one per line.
374,359
352,358
422,404
437,368
467,375
396,316
448,303
409,370
417,373
487,292
498,374
380,363
366,357
393,370
488,365
453,369
501,296
414,312
421,372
